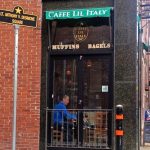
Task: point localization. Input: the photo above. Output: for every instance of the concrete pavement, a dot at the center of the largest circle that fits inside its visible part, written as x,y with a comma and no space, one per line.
145,148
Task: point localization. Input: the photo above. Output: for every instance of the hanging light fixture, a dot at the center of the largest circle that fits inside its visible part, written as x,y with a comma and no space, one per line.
89,63
68,71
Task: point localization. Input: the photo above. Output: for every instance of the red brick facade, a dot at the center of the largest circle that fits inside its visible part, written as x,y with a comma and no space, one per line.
29,70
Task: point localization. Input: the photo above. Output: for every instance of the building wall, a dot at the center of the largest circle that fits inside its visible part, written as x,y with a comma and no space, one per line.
125,62
145,64
145,31
29,71
51,5
144,93
125,69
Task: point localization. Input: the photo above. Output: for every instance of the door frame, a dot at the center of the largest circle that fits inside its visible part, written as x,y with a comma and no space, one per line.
49,89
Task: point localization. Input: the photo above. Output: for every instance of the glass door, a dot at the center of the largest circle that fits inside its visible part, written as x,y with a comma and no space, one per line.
87,82
97,101
65,81
97,82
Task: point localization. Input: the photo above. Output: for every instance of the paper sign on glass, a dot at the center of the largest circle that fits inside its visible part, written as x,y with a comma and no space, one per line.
104,88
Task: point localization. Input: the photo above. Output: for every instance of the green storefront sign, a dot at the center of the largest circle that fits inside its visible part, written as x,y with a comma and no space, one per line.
78,13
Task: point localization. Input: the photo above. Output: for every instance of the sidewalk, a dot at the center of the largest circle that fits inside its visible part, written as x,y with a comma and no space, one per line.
145,148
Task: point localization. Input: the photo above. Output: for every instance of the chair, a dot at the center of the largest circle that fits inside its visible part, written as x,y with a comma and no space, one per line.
101,128
57,136
89,130
89,136
97,135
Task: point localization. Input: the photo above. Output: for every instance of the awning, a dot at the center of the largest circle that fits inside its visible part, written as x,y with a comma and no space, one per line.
78,13
145,46
139,23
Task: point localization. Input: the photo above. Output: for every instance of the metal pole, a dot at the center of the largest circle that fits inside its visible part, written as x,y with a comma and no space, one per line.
15,87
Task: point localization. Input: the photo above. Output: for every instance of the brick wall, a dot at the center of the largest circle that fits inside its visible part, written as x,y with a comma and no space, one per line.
29,70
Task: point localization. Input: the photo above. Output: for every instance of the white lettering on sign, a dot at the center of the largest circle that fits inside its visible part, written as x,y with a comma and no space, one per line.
78,13
99,45
59,14
61,46
96,12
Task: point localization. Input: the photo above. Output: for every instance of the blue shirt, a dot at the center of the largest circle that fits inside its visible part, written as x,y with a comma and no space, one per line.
60,112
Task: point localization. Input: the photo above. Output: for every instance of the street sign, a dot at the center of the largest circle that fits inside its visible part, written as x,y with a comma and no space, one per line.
145,17
17,16
147,115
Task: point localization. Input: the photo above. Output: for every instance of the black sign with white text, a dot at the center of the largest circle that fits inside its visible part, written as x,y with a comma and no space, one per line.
18,17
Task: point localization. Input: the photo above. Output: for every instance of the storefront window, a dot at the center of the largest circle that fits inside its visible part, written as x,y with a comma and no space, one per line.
65,81
80,34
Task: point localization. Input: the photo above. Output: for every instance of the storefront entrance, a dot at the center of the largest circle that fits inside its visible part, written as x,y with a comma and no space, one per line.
87,80
80,66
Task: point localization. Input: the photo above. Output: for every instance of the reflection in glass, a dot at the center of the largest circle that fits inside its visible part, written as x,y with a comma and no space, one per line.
65,81
95,76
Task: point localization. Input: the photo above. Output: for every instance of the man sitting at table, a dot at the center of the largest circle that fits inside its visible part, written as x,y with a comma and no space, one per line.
64,119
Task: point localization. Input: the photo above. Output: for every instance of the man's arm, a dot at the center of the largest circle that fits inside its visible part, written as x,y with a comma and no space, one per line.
68,115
